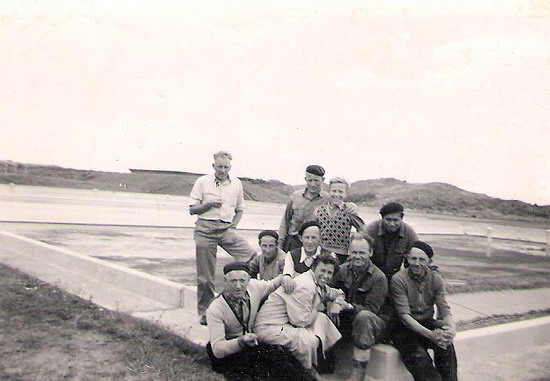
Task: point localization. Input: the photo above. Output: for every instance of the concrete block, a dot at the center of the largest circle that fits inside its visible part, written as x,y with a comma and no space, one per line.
490,342
385,365
161,290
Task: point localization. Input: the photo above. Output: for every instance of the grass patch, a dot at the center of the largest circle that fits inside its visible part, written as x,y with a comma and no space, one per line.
50,334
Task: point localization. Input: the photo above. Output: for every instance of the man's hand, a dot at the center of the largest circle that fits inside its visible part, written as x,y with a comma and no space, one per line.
441,337
288,284
249,339
351,208
213,204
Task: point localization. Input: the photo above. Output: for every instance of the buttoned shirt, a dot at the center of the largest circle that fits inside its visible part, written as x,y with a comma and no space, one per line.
417,297
304,258
365,289
389,250
209,188
300,209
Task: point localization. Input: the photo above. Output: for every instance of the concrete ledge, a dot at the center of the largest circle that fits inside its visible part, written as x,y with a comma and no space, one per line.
165,291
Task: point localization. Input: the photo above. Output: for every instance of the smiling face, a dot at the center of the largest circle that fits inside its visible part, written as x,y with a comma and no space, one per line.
222,166
268,244
360,252
392,222
323,273
313,183
337,192
235,283
311,238
418,261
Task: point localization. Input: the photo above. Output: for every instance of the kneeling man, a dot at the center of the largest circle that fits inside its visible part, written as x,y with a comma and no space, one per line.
415,291
231,317
294,320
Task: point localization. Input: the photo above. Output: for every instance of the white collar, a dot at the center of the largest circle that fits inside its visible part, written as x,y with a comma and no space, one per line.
304,255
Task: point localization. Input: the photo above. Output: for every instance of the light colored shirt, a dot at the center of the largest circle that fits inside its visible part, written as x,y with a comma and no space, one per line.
304,258
230,192
298,308
224,329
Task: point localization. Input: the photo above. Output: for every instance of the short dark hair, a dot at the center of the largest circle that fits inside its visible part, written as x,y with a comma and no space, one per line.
326,259
391,208
269,233
306,225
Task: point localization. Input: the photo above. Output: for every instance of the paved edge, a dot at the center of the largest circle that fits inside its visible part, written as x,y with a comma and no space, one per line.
171,305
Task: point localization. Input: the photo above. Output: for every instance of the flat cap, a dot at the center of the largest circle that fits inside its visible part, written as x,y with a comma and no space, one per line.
391,207
315,170
424,247
232,266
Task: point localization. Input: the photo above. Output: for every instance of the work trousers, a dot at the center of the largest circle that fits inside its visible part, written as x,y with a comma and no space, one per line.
364,328
414,352
209,234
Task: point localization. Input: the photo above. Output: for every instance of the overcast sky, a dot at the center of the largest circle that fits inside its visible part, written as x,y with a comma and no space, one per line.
450,91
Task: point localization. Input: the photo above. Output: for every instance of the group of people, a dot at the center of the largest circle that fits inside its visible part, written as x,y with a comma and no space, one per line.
325,276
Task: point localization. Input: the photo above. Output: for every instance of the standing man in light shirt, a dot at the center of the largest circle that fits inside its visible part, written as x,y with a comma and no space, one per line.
302,205
218,201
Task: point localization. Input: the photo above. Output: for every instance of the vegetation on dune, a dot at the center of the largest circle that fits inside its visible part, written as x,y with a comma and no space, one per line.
439,198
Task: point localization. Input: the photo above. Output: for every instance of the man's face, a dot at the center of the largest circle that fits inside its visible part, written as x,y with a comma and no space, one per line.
222,166
360,253
418,261
236,282
311,238
337,193
313,183
323,273
268,245
392,222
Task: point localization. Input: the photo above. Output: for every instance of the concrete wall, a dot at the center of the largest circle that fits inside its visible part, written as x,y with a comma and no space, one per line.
165,291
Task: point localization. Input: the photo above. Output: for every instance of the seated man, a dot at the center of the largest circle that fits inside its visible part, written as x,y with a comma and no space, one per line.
365,287
271,261
294,320
415,291
299,260
231,317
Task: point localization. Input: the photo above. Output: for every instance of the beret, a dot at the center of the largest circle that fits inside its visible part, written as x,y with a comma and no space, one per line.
308,225
270,233
232,266
315,170
391,207
424,247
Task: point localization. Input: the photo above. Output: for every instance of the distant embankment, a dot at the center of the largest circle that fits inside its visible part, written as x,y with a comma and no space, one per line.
438,198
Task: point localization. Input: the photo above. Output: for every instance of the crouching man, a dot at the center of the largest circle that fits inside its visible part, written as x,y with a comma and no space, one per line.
365,288
231,317
295,320
415,291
